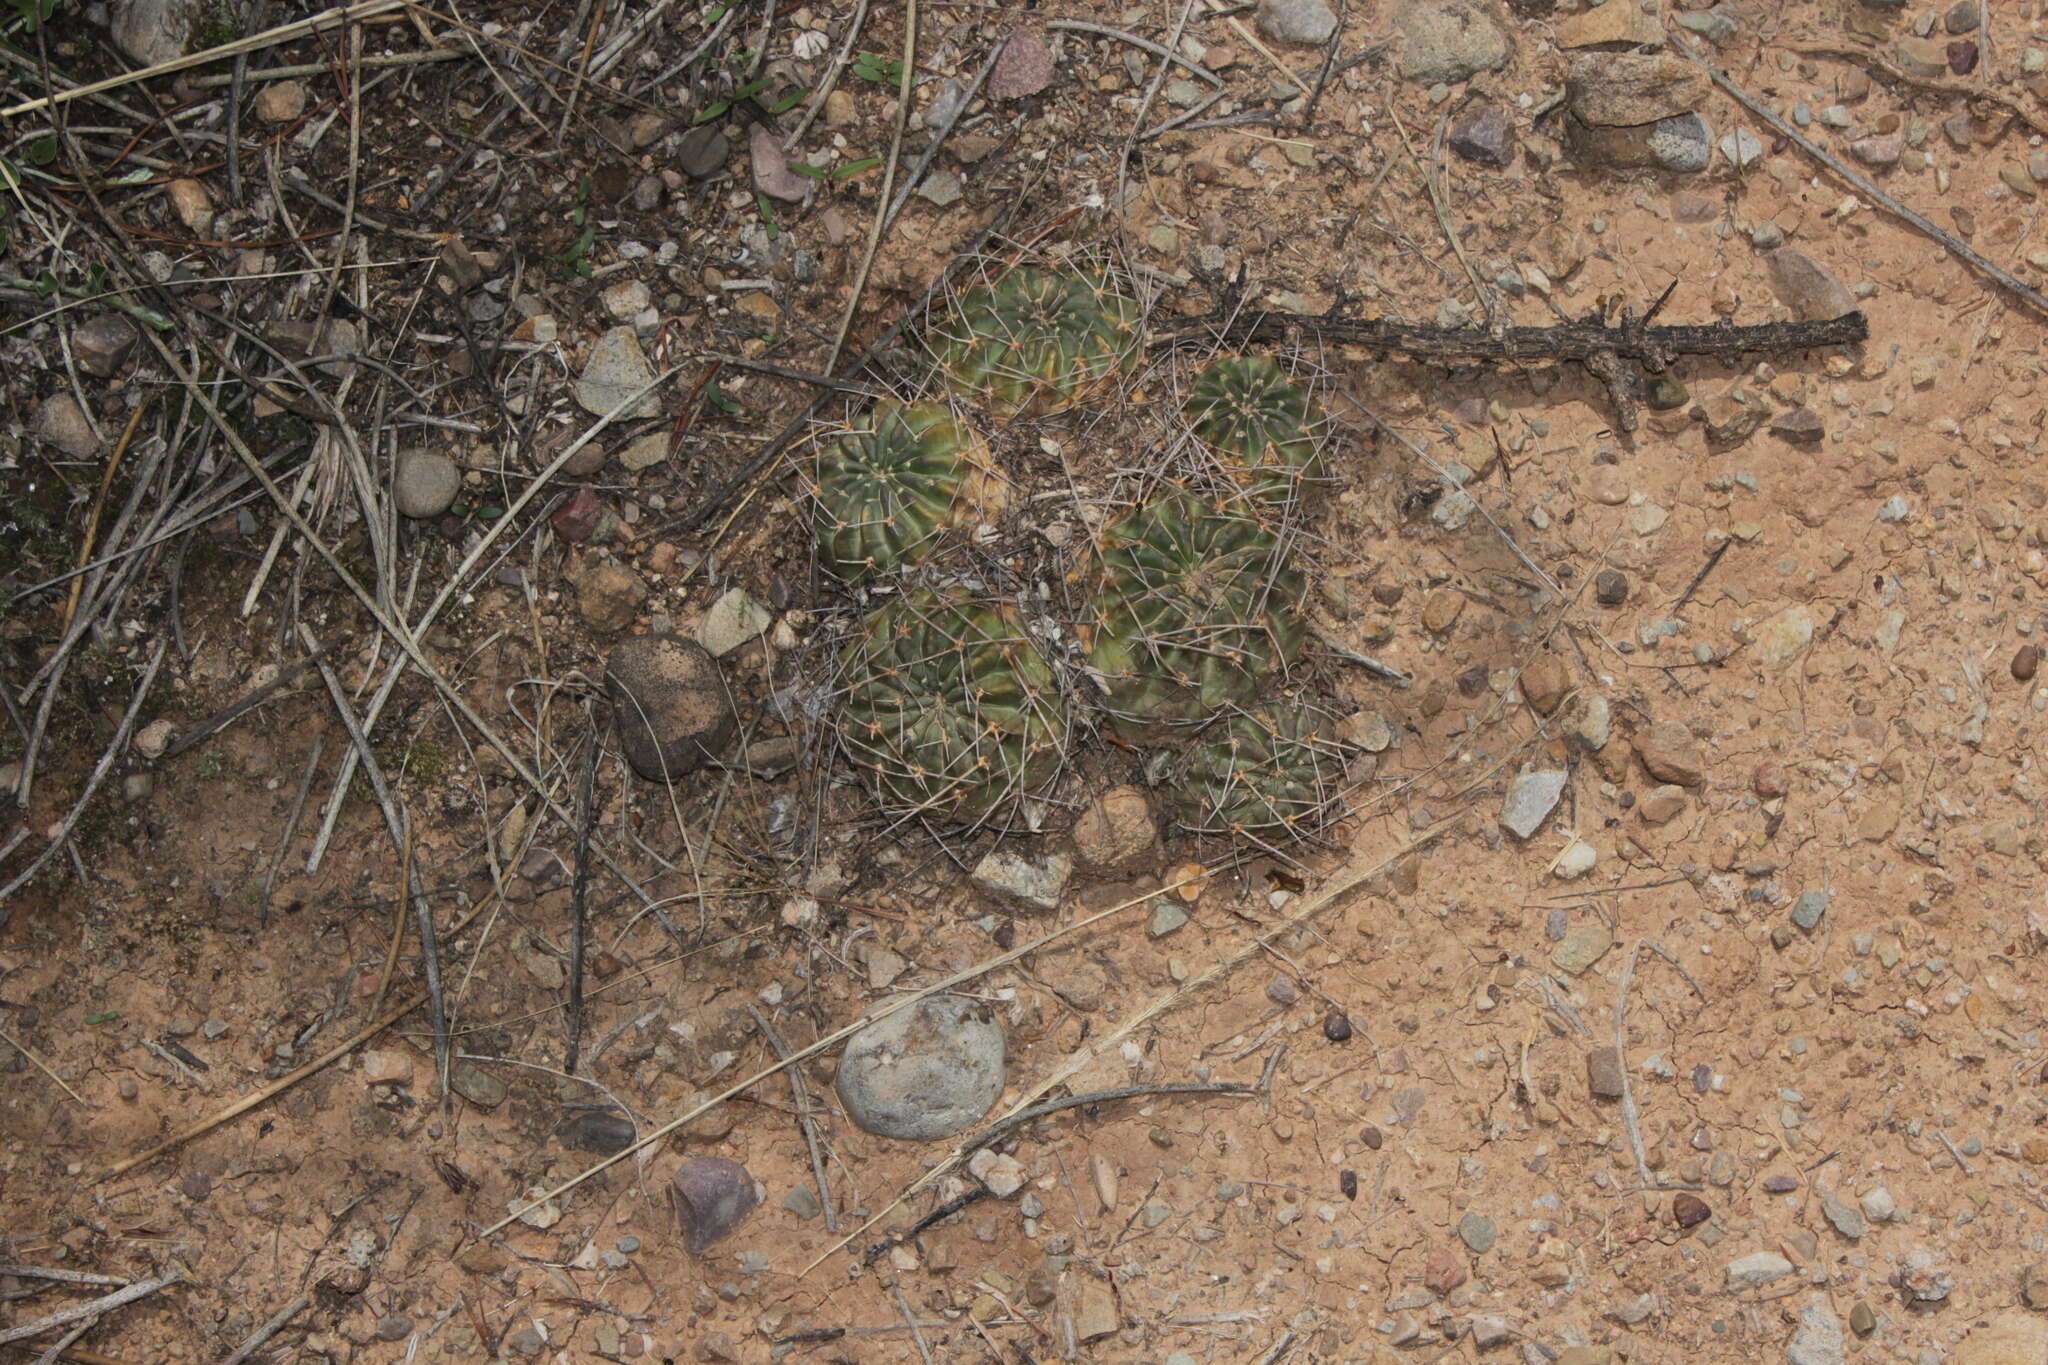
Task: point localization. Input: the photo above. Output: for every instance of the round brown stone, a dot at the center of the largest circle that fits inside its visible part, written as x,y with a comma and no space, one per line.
675,714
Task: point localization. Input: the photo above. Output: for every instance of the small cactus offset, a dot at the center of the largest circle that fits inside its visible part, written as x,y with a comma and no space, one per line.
952,709
1272,770
891,485
1260,423
1195,612
1036,341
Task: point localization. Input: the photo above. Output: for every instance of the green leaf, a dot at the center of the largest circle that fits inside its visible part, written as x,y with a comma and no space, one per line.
718,399
716,109
789,102
43,150
107,1018
751,89
767,215
854,168
814,172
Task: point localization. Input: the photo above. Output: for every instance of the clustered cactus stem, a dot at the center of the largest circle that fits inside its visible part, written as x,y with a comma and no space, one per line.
890,486
1266,771
1261,424
1194,612
952,709
1034,341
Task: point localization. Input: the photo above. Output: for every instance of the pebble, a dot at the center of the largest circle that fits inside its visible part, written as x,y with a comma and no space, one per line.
595,1130
645,453
2026,661
674,711
1894,510
1682,144
425,483
280,101
1166,919
1809,909
1446,41
1484,137
772,175
1002,1174
101,345
1688,1210
1742,148
1594,723
1116,832
1602,24
609,595
1544,683
1845,1217
1806,287
1818,1339
1757,1270
1610,587
1671,754
1802,426
1095,1314
1921,1280
1878,151
1442,1271
733,620
1310,23
1477,1232
476,1085
1603,1073
1663,803
941,187
1578,858
1862,1319
1878,1205
1025,67
702,152
1581,948
393,1327
616,370
1926,58
1530,799
61,423
924,1072
1029,881
711,1196
193,206
1337,1027
1282,991
1625,89
2034,1285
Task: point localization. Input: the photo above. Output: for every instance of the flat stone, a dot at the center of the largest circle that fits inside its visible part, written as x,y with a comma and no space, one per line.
1603,1073
1116,831
1845,1217
476,1085
803,1202
1615,21
702,152
1581,948
1809,909
924,1072
1624,89
1806,287
1024,67
645,453
1447,41
1166,918
609,595
1783,637
615,371
1757,1270
772,175
1477,1232
61,422
1031,881
940,187
1663,803
1530,799
1095,1315
1818,1339
1671,754
1002,1173
1926,58
1310,23
424,483
733,620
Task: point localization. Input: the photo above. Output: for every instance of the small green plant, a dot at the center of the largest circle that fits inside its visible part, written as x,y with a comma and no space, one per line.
1195,612
881,70
574,262
1036,341
1274,769
951,709
32,13
1259,422
888,488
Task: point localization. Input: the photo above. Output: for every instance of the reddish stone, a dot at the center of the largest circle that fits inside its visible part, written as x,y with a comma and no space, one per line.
576,519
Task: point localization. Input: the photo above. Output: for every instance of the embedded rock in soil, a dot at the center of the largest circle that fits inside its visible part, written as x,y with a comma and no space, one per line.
152,31
1603,1073
1619,23
1485,137
2008,1339
702,152
1819,1338
1682,144
1757,1270
711,1196
61,422
925,1072
1308,22
1024,68
1029,882
733,620
424,484
616,370
609,595
1545,682
674,712
1784,637
1624,89
1116,831
1807,287
1450,40
101,345
1671,754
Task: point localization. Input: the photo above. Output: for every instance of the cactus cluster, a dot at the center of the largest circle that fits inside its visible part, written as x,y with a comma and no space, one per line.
1192,610
1034,341
892,484
1260,423
952,708
1272,769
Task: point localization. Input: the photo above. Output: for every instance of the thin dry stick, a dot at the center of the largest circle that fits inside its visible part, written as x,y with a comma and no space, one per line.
1629,1117
66,1342
293,72
106,1303
805,1117
6,1037
867,263
2034,298
577,899
92,523
931,151
400,827
267,1330
37,1272
902,1002
832,74
916,1333
291,821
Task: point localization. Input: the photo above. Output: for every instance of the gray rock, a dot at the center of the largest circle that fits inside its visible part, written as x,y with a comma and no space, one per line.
1477,1232
425,483
1530,799
616,370
1878,1205
803,1202
1031,882
1682,144
1623,89
1450,40
925,1072
1489,1331
1806,287
1742,148
1166,918
1581,948
1894,510
1818,1340
1757,1269
102,344
711,1195
394,1327
1846,1217
1921,1280
772,175
734,619
62,423
702,153
1808,910
941,187
476,1085
1715,25
674,712
1308,22
152,31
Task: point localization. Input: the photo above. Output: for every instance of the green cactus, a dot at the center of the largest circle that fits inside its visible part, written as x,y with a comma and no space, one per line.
892,484
1195,611
1260,423
1035,341
951,708
1270,770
